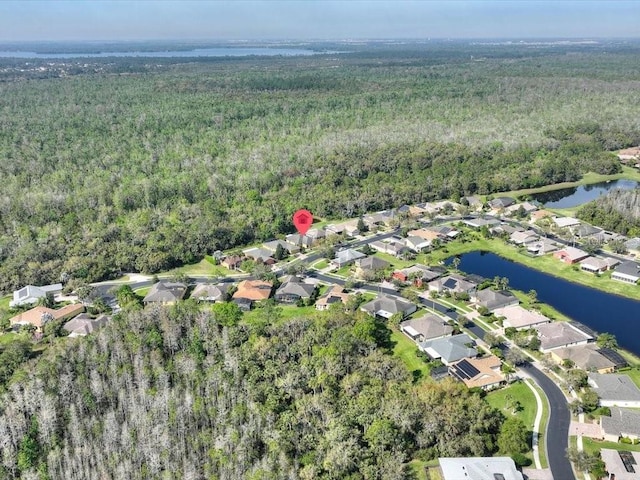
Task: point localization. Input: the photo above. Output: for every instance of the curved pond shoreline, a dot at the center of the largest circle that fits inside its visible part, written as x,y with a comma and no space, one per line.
597,309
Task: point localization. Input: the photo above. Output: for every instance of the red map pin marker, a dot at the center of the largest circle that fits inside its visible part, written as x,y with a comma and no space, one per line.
302,220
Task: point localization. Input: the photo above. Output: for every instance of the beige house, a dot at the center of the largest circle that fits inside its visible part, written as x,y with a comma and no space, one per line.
39,316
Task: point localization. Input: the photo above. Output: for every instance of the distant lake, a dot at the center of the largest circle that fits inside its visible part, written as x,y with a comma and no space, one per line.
603,312
196,52
575,196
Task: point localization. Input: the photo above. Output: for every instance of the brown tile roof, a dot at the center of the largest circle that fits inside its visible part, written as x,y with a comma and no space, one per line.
34,316
253,290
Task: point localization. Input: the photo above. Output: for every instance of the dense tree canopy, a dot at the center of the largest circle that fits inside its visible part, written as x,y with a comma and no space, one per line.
127,166
170,393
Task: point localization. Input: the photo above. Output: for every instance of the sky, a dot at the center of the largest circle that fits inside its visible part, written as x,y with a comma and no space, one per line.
61,20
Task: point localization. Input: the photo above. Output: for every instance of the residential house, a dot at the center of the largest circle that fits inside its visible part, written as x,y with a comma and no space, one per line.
207,292
348,228
586,230
450,349
628,272
524,238
560,334
622,423
250,291
391,247
615,390
260,255
83,325
419,273
597,264
346,257
540,214
478,372
479,468
614,356
445,232
425,234
566,222
427,327
629,155
31,294
505,228
416,244
480,222
527,208
520,318
621,464
570,255
385,307
377,219
315,234
370,265
165,293
289,248
232,262
501,203
633,245
335,294
301,241
542,247
293,290
474,201
453,283
39,316
586,357
493,299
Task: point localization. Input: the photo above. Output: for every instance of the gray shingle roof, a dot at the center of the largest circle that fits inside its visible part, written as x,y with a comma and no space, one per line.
622,422
166,292
614,387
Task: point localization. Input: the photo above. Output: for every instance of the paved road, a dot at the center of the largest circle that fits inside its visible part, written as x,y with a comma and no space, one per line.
557,432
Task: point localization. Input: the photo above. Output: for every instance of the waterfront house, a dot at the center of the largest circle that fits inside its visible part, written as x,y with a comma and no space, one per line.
542,247
628,272
615,390
560,334
520,318
523,238
570,255
419,274
493,299
622,423
500,203
585,357
597,264
453,283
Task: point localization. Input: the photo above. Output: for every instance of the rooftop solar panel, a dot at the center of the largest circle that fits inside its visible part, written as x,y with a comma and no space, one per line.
464,370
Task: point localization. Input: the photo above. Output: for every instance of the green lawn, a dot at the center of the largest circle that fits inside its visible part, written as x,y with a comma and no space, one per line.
633,373
520,392
321,264
405,349
394,261
593,446
202,268
142,291
627,172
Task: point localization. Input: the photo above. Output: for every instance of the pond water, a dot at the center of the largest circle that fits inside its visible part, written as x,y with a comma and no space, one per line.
598,310
572,197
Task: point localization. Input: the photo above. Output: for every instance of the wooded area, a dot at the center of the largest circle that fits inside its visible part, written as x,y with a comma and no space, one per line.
170,393
123,165
618,211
